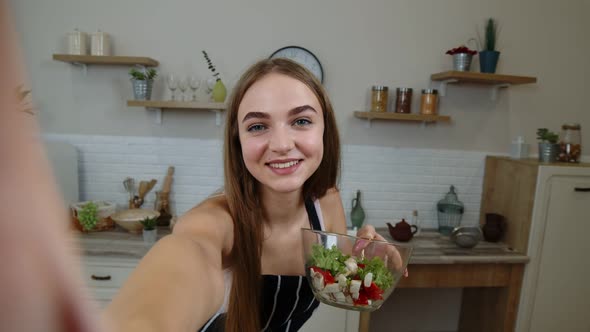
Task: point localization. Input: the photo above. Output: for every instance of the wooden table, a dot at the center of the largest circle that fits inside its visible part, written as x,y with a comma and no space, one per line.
490,275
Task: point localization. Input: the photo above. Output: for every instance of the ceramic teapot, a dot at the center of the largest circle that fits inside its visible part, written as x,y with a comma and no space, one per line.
494,227
402,231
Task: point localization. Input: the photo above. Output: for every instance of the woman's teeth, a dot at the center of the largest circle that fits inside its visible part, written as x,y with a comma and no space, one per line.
284,165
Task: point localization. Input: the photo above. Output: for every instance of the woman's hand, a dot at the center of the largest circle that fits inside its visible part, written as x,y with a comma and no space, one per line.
368,232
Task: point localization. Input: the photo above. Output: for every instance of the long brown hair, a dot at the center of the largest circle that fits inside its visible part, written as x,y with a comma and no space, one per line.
241,190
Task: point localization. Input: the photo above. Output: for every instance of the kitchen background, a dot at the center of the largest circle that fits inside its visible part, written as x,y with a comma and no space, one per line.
398,166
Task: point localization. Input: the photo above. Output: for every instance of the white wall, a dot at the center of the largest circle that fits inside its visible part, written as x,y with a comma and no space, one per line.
360,43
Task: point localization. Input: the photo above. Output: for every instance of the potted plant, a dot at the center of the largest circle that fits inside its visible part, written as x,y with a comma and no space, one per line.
150,232
548,147
93,216
218,91
488,56
462,57
88,216
143,81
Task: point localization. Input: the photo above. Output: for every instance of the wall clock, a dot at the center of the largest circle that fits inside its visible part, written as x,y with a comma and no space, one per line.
302,56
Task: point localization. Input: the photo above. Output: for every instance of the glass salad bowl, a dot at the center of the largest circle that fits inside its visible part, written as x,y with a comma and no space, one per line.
350,272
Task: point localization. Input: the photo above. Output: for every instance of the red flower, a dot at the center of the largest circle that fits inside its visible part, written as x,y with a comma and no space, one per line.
461,49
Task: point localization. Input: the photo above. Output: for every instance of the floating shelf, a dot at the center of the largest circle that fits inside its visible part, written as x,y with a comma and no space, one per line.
401,117
497,81
158,105
106,60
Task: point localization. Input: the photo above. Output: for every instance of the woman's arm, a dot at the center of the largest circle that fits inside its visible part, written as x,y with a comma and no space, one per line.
179,284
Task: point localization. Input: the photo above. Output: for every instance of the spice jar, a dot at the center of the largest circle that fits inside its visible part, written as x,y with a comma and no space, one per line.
429,101
570,143
403,103
379,97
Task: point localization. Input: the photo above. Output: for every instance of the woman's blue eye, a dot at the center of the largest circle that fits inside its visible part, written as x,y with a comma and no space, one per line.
256,127
302,122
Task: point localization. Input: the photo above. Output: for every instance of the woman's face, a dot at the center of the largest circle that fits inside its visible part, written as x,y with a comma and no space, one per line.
281,129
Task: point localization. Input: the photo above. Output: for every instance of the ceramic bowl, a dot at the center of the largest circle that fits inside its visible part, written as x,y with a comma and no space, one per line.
352,273
466,236
130,219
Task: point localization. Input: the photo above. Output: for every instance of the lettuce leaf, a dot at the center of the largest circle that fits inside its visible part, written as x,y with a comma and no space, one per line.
330,259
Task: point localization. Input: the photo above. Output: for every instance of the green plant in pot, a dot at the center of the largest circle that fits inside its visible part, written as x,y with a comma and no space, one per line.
143,81
548,147
150,232
488,56
218,91
88,216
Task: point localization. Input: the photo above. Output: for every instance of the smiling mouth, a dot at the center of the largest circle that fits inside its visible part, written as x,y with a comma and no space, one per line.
284,165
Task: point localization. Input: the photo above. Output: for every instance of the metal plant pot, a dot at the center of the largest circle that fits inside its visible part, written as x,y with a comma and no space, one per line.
462,61
142,90
548,152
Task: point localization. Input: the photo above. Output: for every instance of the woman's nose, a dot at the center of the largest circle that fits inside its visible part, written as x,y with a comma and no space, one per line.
281,141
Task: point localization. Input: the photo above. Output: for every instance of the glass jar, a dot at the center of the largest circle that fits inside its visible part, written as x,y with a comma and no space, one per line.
379,97
429,102
450,210
403,103
570,143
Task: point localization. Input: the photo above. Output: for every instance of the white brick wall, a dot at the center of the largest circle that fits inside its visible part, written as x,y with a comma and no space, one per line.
393,181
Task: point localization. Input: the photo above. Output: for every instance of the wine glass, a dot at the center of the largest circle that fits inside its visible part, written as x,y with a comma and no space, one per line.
182,85
172,84
194,84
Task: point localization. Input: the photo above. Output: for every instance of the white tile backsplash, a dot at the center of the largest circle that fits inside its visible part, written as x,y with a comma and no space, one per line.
393,181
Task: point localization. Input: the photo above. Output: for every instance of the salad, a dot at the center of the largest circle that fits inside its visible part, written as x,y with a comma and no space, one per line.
347,279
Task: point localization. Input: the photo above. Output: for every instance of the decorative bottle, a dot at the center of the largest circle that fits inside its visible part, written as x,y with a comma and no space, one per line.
357,214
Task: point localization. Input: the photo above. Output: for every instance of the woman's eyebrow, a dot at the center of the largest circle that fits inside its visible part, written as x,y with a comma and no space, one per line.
292,112
255,115
300,109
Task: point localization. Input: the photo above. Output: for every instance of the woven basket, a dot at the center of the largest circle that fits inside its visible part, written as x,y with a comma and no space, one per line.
104,223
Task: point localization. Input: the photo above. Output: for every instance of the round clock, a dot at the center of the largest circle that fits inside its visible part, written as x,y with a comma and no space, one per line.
302,56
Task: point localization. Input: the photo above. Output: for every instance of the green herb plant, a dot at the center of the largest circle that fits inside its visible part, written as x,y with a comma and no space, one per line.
149,224
491,31
88,216
544,135
211,66
143,74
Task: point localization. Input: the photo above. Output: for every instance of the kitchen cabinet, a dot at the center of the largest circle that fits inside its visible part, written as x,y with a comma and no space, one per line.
546,207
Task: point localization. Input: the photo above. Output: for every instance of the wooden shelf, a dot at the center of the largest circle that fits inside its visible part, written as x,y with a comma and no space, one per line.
401,117
482,78
158,105
106,60
171,104
496,81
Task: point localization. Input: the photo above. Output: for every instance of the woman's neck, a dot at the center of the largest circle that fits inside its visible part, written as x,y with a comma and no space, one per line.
282,208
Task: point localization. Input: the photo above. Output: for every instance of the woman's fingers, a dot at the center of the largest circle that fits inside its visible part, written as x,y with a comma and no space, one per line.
366,232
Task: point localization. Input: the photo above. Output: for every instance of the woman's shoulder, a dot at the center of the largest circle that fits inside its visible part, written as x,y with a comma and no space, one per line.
333,211
210,218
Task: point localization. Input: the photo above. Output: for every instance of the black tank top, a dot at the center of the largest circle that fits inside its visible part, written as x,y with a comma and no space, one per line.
287,301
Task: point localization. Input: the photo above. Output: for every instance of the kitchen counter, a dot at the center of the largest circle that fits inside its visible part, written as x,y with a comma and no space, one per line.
430,247
117,243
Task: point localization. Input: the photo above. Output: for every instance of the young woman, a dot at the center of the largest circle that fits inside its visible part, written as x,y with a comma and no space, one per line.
235,261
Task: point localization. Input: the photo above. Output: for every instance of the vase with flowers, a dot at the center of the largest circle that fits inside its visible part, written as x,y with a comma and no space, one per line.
462,57
218,92
488,56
